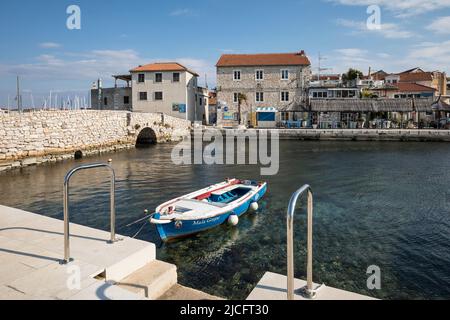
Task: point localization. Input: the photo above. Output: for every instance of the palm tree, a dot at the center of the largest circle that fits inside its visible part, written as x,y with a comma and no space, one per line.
241,98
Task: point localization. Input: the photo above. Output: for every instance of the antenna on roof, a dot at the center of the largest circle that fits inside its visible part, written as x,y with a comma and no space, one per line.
206,81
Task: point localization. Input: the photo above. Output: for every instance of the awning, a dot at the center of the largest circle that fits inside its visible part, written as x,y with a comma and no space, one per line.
266,109
440,106
361,105
423,104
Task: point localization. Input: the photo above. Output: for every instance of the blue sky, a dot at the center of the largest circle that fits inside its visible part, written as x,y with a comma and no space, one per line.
118,35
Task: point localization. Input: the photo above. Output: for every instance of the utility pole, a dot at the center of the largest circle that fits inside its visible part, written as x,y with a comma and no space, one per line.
320,67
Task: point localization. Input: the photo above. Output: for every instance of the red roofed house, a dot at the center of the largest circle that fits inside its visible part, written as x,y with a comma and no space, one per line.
170,88
435,80
268,81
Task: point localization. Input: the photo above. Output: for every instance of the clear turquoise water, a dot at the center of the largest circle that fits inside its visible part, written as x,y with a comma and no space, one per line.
384,204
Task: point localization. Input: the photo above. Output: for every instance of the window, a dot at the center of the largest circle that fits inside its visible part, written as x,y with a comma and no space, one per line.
158,77
315,95
176,77
105,101
285,74
141,77
259,75
158,95
142,96
284,96
235,97
260,97
200,101
126,100
236,75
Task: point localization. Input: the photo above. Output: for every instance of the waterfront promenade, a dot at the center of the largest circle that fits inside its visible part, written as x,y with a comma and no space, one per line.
417,135
31,249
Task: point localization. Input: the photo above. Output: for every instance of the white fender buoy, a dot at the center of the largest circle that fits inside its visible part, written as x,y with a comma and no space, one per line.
254,206
233,220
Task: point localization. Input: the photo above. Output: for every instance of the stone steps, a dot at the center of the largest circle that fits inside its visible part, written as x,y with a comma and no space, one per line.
179,292
150,281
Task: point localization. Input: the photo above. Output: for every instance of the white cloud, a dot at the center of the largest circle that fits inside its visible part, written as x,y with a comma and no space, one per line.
432,56
49,45
427,55
401,8
181,12
387,30
440,25
90,65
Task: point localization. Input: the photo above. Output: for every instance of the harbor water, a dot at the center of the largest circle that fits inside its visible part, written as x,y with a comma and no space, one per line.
376,203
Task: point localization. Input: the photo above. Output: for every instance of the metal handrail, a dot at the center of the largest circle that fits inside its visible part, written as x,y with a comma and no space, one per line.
310,292
113,239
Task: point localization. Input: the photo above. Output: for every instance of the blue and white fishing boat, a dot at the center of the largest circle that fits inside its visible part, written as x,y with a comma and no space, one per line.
207,208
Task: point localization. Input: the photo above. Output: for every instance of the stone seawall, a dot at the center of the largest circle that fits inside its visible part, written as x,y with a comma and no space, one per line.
48,136
423,135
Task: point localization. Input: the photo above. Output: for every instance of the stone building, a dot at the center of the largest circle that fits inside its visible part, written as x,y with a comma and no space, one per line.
168,88
117,98
274,80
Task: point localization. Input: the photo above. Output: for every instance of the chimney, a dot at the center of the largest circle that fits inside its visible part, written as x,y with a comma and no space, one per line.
370,72
301,53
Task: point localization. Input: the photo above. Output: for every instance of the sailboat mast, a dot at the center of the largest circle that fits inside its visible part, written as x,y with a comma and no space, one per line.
18,94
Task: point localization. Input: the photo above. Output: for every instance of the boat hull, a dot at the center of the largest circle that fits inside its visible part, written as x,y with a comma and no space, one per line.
183,228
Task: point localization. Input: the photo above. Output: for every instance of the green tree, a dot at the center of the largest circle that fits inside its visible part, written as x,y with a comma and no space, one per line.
351,74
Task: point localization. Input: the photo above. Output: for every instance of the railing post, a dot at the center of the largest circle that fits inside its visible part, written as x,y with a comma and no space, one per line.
66,190
112,204
290,243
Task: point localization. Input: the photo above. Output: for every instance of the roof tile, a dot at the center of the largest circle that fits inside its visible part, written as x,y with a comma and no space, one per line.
266,59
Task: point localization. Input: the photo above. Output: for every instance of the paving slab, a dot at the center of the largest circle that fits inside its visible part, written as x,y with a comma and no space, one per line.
273,287
32,247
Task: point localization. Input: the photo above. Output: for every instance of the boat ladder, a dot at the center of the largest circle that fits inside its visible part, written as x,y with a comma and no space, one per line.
309,291
113,238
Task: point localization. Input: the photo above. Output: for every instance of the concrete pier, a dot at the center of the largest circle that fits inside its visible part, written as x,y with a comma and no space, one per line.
273,287
423,135
31,248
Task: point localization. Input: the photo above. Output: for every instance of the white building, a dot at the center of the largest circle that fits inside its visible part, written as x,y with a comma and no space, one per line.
170,88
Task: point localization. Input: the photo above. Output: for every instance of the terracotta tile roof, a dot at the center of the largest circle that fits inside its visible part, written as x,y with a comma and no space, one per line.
416,69
416,76
164,66
265,59
413,87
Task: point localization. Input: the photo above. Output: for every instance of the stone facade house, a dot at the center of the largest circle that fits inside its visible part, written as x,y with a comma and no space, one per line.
275,80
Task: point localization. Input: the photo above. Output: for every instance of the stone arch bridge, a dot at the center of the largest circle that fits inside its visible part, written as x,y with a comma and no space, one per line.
46,136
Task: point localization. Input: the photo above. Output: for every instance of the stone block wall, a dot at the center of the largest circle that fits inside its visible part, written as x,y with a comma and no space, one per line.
42,136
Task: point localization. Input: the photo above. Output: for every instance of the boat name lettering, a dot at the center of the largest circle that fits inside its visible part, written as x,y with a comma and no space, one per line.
199,222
